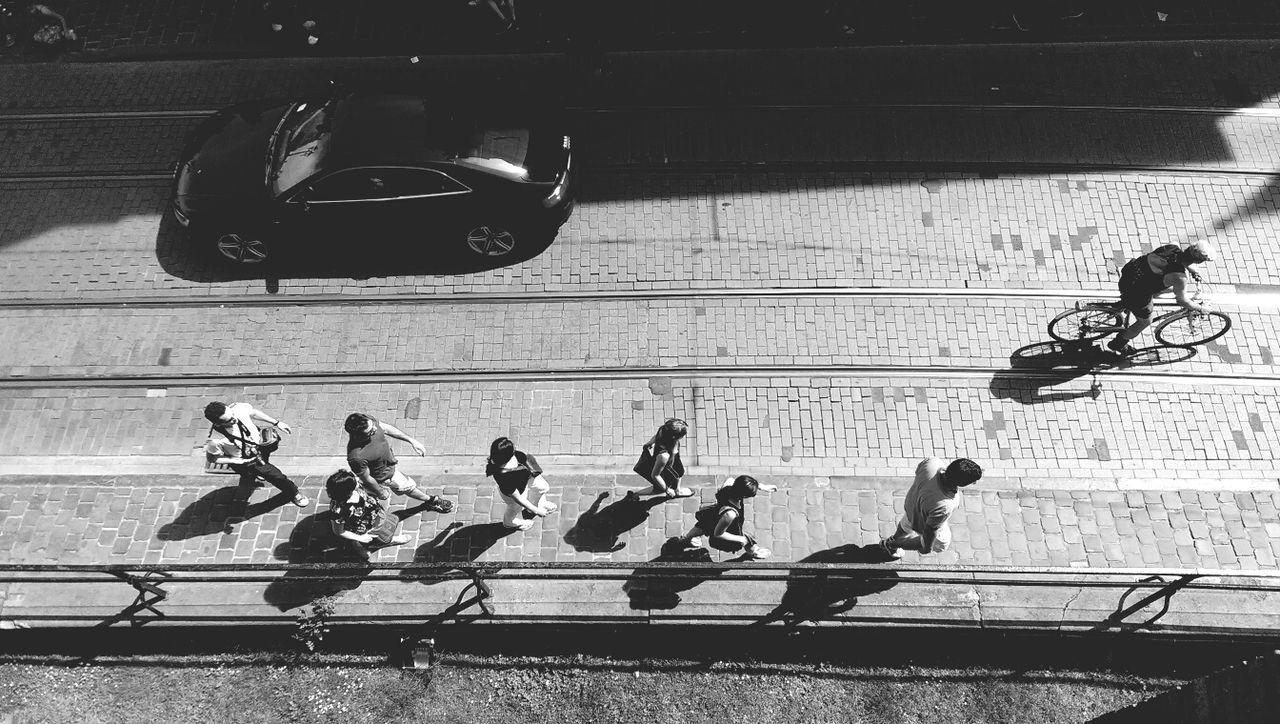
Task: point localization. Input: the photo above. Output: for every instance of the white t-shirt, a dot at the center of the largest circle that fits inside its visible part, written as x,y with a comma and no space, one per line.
221,445
929,504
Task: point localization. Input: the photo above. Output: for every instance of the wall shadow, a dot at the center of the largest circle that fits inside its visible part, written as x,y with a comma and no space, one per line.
822,596
599,531
218,511
313,541
658,589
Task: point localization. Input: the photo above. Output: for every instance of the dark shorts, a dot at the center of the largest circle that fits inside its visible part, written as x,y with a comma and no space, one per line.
1140,307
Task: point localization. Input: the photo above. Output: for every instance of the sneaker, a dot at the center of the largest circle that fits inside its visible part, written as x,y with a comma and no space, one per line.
1123,347
756,553
550,508
894,553
438,504
520,525
399,540
301,501
696,542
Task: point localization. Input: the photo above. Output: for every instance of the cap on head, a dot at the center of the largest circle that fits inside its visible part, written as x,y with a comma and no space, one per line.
214,411
962,472
1198,251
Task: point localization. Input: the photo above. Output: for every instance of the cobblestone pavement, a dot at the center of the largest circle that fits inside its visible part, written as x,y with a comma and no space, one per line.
795,425
1068,231
697,331
194,520
1123,469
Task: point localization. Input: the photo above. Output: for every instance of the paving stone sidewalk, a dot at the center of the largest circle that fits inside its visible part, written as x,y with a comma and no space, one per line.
206,519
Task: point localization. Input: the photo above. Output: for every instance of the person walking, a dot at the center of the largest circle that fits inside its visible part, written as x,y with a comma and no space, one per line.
374,464
660,463
932,498
520,482
721,522
360,517
235,439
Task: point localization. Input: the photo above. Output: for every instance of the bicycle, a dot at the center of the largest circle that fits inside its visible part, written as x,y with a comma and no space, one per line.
1093,320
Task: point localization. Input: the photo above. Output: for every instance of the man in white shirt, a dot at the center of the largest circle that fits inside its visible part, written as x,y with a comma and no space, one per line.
932,498
236,440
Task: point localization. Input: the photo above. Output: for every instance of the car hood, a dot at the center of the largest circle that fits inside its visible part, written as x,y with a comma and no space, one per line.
226,155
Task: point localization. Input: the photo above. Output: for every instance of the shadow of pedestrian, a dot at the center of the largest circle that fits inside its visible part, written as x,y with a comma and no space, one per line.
825,595
313,541
458,543
658,589
598,531
216,512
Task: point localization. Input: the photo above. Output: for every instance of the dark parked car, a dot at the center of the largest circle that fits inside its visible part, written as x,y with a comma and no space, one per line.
371,169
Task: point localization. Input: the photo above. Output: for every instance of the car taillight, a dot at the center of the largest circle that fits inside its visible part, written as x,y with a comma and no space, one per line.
561,188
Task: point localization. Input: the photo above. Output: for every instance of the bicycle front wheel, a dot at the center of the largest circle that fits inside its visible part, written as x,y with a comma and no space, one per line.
1085,325
1185,329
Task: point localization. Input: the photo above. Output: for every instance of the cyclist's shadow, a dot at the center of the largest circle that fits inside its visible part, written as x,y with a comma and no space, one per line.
1042,365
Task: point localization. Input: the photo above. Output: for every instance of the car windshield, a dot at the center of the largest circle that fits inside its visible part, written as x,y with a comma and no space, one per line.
299,145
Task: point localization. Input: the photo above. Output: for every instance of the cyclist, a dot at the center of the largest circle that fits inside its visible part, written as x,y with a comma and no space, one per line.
1162,269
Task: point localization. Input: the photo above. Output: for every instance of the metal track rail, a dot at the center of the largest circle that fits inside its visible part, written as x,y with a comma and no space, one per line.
407,377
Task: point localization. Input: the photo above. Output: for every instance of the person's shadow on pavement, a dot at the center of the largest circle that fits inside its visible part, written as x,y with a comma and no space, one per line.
824,595
457,543
658,589
313,541
599,531
217,511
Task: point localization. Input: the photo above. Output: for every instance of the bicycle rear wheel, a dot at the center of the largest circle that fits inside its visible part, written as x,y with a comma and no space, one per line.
1085,325
1185,330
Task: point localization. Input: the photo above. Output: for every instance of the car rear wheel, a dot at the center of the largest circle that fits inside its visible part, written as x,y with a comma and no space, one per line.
243,248
491,241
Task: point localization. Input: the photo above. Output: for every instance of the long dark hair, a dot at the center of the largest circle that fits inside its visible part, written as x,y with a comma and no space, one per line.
500,452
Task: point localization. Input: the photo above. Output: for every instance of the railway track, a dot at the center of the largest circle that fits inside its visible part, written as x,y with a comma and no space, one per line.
726,371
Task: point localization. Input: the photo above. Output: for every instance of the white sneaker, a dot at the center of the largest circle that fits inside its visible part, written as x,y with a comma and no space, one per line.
520,525
399,540
757,553
894,553
696,542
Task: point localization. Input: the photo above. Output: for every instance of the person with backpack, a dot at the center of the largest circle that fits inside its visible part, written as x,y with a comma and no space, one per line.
236,440
359,517
1144,277
721,522
520,482
660,464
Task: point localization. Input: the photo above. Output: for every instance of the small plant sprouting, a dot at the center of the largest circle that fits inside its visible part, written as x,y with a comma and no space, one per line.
314,624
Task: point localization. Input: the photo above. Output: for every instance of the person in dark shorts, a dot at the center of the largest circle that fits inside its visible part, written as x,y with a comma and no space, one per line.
520,482
360,517
371,459
1141,279
721,521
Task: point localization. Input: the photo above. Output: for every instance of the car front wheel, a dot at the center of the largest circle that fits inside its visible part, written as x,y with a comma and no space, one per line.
491,241
243,248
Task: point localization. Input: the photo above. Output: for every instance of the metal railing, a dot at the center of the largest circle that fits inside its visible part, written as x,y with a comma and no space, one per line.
1158,585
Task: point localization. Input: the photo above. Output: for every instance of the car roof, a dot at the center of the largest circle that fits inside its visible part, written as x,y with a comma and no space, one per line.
398,130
